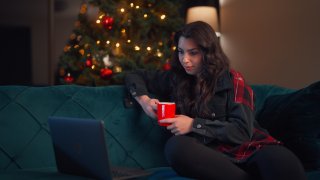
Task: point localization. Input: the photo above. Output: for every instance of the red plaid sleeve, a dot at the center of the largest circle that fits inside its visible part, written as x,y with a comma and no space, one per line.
242,92
245,150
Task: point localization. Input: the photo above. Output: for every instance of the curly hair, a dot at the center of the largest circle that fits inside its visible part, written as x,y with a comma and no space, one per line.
192,93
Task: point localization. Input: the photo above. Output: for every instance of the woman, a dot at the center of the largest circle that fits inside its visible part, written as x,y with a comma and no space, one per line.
215,133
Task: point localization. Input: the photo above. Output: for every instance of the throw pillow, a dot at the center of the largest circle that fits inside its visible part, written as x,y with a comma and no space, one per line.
294,119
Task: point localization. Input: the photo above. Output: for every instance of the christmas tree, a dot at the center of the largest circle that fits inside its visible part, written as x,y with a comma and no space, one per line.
112,37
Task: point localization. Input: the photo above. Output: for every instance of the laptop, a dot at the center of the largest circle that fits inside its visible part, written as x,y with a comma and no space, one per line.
80,149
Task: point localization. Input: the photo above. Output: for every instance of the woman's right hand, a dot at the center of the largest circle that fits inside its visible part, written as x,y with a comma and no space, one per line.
148,105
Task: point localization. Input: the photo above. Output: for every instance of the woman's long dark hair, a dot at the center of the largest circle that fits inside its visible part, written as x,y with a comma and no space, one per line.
192,93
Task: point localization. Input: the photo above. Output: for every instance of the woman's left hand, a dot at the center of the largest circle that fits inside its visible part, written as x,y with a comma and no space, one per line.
180,124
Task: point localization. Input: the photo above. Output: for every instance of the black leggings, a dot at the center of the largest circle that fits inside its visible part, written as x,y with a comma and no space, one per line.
192,159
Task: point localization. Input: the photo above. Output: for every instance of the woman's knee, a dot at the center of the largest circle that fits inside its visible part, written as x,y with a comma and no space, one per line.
279,162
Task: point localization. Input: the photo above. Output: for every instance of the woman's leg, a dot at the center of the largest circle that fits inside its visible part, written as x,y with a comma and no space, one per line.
192,159
275,163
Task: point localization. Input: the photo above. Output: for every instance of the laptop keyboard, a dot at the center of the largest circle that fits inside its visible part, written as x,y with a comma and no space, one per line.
116,172
120,172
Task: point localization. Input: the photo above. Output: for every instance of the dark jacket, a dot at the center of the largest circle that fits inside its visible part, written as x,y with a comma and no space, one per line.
232,123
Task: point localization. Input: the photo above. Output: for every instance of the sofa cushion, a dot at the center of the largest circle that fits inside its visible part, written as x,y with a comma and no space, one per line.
294,118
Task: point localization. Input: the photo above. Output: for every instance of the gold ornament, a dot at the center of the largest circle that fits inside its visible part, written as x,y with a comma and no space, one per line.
83,8
81,51
66,48
62,72
73,36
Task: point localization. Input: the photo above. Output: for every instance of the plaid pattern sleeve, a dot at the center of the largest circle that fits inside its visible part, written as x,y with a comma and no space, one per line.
245,150
242,92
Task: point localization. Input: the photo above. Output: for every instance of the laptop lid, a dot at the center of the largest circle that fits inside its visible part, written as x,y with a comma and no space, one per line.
80,147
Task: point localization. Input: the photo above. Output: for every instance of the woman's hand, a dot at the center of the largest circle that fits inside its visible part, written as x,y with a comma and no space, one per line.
148,105
180,124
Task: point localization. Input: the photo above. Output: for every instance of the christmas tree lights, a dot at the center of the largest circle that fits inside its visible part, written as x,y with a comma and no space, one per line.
112,37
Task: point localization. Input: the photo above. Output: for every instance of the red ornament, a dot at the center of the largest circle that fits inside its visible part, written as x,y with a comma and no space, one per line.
68,79
107,22
106,73
89,62
166,66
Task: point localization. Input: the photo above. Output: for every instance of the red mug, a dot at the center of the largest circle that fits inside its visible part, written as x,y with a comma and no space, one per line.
166,110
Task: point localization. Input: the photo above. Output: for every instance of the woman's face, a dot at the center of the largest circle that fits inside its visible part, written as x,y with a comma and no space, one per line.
190,55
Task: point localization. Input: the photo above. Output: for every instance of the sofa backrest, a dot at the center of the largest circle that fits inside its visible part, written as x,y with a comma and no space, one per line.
133,139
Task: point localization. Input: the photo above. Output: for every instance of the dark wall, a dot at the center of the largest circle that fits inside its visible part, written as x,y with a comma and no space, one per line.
15,51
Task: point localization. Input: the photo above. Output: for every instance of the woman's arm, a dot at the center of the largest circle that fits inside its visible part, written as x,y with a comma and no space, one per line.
142,83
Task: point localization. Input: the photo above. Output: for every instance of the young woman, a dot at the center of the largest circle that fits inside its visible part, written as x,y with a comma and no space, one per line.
215,133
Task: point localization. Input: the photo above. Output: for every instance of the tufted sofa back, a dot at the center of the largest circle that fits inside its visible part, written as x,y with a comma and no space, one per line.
132,138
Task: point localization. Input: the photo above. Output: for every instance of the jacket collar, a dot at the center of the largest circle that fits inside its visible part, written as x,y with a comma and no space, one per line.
224,82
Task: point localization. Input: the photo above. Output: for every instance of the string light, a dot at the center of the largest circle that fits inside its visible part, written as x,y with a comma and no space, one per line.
131,4
145,15
108,42
117,45
159,54
98,42
122,10
137,7
76,46
98,21
123,30
93,66
128,41
137,48
149,48
163,16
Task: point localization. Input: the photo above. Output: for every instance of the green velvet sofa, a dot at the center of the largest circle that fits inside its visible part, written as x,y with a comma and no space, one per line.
133,139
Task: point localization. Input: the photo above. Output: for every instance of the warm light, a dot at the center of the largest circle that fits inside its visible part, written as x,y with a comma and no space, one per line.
137,48
108,42
160,43
129,41
137,7
98,21
98,42
159,54
117,45
149,48
117,69
207,14
162,17
76,46
123,31
145,15
131,4
101,16
122,10
93,66
174,48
